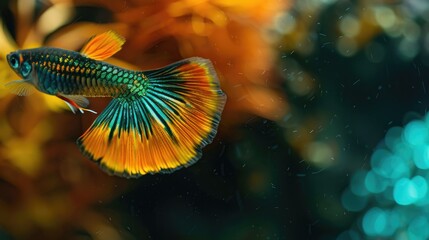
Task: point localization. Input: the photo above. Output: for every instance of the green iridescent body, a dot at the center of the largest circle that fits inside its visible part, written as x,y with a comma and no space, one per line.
60,71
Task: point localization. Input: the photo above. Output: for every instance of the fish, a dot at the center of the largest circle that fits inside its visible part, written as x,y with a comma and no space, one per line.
158,121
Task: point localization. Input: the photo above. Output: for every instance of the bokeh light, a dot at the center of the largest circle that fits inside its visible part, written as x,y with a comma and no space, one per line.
397,185
409,191
379,223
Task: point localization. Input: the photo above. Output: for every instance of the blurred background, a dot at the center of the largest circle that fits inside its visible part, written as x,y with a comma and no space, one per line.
324,135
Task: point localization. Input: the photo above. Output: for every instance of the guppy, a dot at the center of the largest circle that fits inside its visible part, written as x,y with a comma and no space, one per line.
158,120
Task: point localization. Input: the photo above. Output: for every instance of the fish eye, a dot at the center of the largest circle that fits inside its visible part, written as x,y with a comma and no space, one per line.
14,63
25,69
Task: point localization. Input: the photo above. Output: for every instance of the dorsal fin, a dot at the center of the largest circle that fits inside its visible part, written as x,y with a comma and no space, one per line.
103,45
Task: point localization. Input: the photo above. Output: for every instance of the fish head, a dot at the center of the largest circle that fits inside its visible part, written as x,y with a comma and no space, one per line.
21,62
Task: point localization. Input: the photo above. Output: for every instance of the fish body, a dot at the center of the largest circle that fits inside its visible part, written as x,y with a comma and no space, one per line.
60,71
157,121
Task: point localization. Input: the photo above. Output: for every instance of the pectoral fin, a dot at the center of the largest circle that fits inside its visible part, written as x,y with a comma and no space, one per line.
20,87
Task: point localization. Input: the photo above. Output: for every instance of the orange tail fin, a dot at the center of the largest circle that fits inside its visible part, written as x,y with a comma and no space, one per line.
162,129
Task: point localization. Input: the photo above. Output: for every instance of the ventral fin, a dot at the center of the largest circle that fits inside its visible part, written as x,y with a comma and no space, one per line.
103,46
79,100
20,87
76,103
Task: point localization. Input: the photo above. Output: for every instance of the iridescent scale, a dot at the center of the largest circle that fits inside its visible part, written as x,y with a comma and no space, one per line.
69,73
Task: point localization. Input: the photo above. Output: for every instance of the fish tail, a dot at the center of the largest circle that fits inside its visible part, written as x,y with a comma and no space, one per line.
161,128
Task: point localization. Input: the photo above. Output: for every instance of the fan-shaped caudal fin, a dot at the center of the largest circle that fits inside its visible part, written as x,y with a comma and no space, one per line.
162,129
